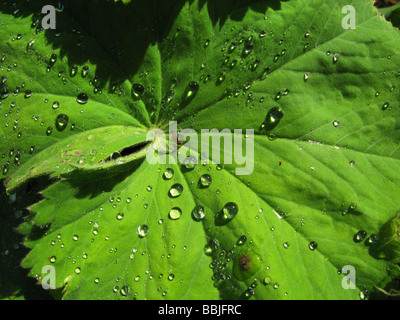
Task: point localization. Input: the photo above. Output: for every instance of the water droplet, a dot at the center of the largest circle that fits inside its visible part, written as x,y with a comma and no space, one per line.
255,65
205,181
232,47
75,238
143,230
61,122
53,259
306,35
28,94
120,216
335,58
55,105
207,43
267,280
306,76
273,118
262,34
73,71
168,173
286,245
171,277
335,123
137,91
385,106
124,291
198,213
190,162
373,238
192,89
176,190
53,59
49,130
175,213
82,98
248,48
360,236
221,78
242,240
229,211
312,245
210,247
85,71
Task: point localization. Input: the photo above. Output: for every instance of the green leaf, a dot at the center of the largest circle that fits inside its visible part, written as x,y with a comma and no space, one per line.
321,100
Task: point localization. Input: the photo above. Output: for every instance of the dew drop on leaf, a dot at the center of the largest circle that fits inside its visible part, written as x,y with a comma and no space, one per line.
143,230
205,180
55,105
198,213
85,71
73,71
137,91
242,240
82,98
192,89
176,190
360,236
273,118
168,173
175,213
61,122
312,245
229,211
28,93
385,106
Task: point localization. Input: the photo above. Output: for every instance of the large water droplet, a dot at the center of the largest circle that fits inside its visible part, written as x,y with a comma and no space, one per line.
143,230
312,245
229,211
73,71
55,105
232,47
85,71
82,98
273,118
61,122
360,236
176,190
385,106
137,91
192,89
168,173
205,181
242,240
190,162
175,213
198,213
